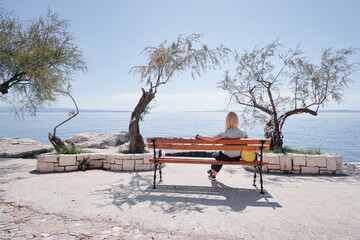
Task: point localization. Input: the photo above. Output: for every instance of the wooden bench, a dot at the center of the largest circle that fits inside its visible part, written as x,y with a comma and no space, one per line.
198,144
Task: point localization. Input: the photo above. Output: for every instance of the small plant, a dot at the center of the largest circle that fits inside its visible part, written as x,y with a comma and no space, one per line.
127,151
287,150
69,149
84,164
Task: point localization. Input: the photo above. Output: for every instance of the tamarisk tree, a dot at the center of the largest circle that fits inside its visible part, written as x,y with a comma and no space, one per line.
272,84
37,59
164,61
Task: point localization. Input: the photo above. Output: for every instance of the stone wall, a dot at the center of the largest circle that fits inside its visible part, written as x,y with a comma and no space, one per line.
278,163
302,164
114,162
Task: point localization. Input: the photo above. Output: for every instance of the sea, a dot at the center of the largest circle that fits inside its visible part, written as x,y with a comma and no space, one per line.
330,132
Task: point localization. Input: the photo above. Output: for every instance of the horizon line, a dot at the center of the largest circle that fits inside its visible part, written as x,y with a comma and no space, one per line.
8,109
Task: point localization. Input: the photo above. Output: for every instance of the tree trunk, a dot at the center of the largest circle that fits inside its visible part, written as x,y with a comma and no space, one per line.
137,144
273,131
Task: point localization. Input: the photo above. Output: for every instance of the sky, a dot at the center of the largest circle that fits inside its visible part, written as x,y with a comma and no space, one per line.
112,33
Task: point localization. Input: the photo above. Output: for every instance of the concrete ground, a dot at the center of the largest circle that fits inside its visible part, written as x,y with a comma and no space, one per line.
186,203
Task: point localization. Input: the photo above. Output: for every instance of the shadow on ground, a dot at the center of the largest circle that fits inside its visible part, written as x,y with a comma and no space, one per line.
11,171
186,199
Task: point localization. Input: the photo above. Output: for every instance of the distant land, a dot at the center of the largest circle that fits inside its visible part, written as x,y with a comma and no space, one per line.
8,109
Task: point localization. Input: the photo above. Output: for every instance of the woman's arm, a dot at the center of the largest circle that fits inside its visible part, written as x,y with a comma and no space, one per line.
210,139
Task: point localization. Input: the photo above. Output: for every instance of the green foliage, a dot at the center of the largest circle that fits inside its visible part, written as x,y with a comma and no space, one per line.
127,151
72,113
272,84
147,110
70,149
37,58
264,75
179,56
289,150
163,63
84,164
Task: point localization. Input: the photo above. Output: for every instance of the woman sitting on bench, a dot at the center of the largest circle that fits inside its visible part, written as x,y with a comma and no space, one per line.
231,131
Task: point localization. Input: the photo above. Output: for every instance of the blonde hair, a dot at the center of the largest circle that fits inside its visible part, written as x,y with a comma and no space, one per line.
232,121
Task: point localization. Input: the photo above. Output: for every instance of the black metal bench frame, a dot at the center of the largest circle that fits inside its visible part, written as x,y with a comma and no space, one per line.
257,164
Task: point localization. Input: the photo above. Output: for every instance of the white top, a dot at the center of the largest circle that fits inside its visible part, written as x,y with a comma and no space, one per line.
234,134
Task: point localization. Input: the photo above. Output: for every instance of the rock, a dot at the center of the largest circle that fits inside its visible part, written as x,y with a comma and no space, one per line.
98,140
22,148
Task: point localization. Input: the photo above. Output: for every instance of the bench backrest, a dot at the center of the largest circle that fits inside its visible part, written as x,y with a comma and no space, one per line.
198,144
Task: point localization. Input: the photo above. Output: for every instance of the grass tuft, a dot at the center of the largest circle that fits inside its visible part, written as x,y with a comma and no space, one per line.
288,150
70,149
127,151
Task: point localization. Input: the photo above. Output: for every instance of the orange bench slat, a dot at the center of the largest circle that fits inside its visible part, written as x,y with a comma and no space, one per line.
195,160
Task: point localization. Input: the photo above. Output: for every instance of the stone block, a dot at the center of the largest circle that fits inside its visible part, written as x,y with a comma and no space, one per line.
97,156
339,159
273,167
45,167
122,156
82,156
137,156
340,169
316,161
52,158
152,166
273,159
107,165
264,169
326,172
139,161
296,172
147,157
41,158
274,171
128,165
110,158
142,167
59,169
115,167
285,163
309,170
67,160
331,163
296,168
120,162
71,168
96,163
299,159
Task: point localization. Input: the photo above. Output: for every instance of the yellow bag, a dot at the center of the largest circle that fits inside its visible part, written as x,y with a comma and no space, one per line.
248,156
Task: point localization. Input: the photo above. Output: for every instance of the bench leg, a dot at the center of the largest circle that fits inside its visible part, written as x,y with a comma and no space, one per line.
261,180
254,183
155,166
160,172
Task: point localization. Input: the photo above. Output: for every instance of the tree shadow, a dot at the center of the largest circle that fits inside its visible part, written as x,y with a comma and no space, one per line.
282,180
14,169
185,199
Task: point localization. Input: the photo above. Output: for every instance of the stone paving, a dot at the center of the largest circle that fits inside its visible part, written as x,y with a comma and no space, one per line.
22,222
